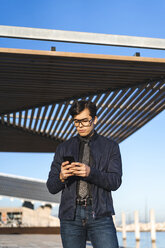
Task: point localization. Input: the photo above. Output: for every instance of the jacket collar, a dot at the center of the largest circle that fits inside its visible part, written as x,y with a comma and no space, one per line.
88,138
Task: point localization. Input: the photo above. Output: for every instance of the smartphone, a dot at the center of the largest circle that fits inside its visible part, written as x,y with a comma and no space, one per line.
69,158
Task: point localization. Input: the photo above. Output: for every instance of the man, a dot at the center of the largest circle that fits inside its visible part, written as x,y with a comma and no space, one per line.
86,183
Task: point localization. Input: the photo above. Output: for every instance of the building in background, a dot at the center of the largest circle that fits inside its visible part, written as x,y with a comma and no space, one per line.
27,216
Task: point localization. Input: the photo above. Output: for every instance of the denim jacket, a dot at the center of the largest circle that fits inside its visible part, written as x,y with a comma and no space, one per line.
105,176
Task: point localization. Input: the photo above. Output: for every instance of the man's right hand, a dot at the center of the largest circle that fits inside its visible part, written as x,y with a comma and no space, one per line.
65,172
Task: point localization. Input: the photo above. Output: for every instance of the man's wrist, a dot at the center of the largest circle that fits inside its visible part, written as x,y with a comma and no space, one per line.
62,179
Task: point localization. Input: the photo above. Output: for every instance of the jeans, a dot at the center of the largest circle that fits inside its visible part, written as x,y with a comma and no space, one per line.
100,231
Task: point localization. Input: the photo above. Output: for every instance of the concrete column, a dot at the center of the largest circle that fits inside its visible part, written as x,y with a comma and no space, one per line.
154,245
137,226
152,224
137,244
124,243
123,226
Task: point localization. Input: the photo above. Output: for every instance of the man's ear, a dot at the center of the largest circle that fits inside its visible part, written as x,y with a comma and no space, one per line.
95,120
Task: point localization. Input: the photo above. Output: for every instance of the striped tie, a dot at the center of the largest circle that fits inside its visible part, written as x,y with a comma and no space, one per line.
83,186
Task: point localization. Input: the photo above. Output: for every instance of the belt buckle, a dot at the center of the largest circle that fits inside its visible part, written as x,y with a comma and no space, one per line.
83,203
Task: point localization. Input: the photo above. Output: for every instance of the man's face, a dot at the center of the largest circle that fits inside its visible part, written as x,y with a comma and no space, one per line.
87,123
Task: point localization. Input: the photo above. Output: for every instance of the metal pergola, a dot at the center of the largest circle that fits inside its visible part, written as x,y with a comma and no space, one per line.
38,87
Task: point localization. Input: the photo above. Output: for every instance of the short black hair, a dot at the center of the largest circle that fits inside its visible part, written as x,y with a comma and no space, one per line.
78,106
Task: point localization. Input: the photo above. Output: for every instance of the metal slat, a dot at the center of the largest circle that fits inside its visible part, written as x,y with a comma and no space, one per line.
90,98
2,119
61,130
146,121
111,96
156,111
20,118
139,114
116,108
132,108
49,118
72,128
116,113
54,119
99,105
149,109
31,118
112,104
8,119
123,111
37,119
25,119
60,119
14,117
67,129
43,118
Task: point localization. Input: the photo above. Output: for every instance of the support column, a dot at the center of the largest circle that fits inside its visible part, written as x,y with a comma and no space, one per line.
137,226
123,226
152,224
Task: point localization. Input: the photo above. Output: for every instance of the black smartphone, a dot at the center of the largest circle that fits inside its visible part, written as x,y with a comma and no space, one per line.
69,158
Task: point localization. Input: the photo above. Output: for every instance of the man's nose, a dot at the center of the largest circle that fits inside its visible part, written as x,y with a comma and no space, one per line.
80,124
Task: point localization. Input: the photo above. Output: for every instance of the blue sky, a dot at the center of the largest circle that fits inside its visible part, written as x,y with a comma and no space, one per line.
143,152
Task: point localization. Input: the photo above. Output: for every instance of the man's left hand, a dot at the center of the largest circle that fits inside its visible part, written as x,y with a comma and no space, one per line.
80,169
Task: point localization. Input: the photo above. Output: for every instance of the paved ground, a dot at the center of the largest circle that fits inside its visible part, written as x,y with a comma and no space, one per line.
31,241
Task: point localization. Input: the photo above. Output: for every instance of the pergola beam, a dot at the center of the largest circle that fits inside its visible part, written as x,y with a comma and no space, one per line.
81,37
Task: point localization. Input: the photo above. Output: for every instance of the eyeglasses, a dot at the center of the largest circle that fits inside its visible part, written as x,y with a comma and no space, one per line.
84,122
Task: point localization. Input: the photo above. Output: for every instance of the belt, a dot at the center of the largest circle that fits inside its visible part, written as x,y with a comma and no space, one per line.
84,202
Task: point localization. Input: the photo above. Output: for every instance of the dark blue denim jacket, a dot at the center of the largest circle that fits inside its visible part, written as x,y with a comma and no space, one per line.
105,175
